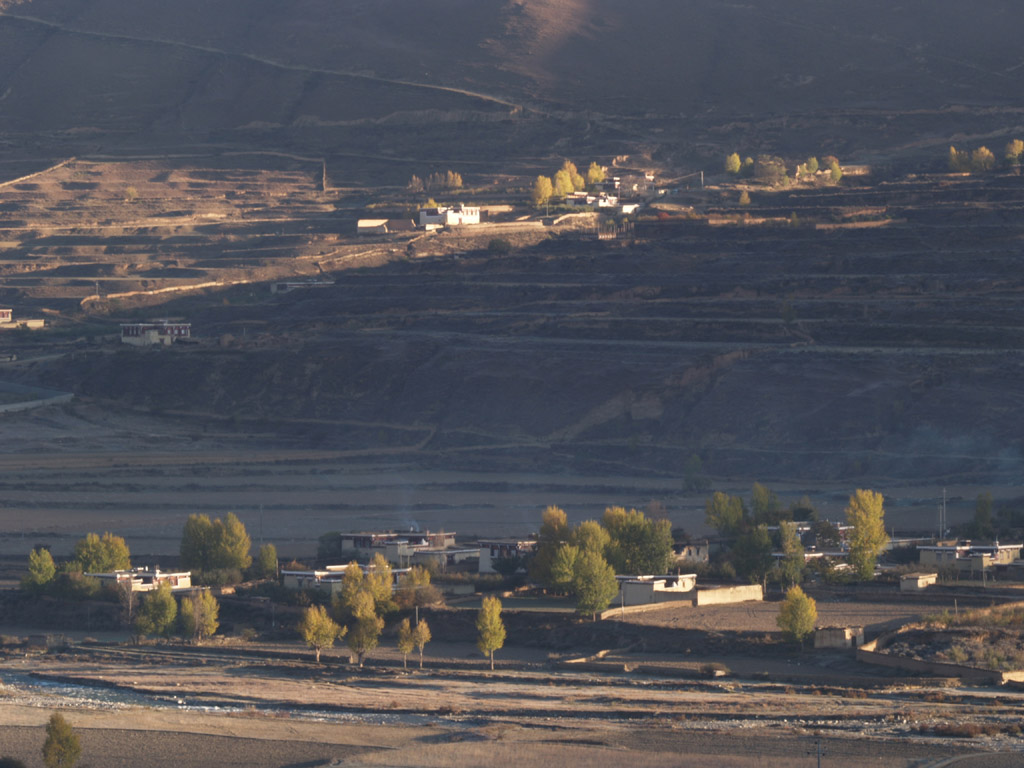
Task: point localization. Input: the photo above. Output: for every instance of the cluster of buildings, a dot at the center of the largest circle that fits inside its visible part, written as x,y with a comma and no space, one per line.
146,579
428,219
155,333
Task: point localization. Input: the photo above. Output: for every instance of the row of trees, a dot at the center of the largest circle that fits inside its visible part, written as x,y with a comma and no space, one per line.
448,180
754,543
982,159
582,561
566,180
771,169
159,615
319,630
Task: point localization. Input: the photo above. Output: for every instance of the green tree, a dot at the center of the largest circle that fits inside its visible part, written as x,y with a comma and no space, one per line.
199,616
725,513
420,637
638,545
563,567
752,555
732,163
811,165
744,198
232,544
543,190
770,169
765,505
694,479
415,590
982,526
797,615
378,582
266,562
158,612
364,633
41,570
590,536
319,630
791,567
197,543
835,170
593,583
803,510
61,748
554,531
344,598
490,628
102,555
595,174
1014,151
868,538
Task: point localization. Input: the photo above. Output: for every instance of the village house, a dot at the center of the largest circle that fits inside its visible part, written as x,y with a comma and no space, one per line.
643,590
492,550
449,216
147,579
968,557
397,548
443,559
384,226
6,315
330,578
157,332
915,582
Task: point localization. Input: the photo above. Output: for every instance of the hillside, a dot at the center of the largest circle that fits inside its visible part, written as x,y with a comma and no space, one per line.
533,77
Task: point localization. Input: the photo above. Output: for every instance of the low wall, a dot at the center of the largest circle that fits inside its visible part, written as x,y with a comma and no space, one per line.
612,613
869,653
722,595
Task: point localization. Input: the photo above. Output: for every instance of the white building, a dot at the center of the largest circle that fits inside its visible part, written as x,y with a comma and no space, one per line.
449,216
642,590
162,332
147,579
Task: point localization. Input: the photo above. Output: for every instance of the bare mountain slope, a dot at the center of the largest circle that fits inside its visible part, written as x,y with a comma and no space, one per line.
208,65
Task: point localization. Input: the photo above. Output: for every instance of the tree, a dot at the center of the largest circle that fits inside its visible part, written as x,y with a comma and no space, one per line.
725,513
595,174
563,567
102,555
554,531
811,165
959,161
344,598
319,630
982,160
638,545
563,184
266,562
61,748
364,634
590,536
765,505
415,590
803,510
542,191
981,526
791,567
770,169
797,615
834,168
415,184
868,537
41,570
197,543
1014,151
594,583
744,200
577,181
490,628
128,598
378,582
420,637
732,163
199,617
232,544
694,479
405,641
752,555
158,612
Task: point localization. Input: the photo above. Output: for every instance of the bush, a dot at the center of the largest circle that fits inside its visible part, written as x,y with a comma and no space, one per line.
499,246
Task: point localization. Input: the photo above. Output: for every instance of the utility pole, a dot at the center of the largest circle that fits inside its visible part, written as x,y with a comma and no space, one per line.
817,750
